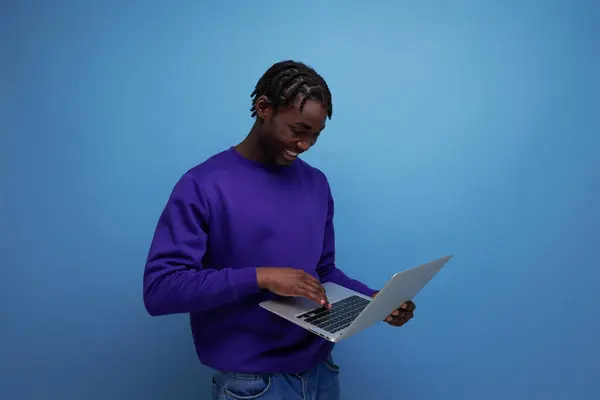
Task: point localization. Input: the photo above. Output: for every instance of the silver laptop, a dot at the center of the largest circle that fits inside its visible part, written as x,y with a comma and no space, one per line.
351,311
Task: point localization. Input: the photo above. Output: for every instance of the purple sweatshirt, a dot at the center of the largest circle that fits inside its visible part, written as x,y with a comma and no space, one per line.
224,218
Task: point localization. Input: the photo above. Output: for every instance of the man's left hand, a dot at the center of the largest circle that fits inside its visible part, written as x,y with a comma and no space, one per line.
402,314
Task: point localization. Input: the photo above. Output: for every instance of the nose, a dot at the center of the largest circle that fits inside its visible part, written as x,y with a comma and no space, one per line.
303,145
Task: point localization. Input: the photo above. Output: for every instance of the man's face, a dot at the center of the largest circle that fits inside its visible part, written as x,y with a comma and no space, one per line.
288,132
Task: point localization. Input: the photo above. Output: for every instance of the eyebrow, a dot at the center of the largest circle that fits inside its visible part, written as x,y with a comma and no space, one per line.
306,126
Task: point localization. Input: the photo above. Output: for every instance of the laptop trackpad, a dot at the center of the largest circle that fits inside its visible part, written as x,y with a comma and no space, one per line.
297,305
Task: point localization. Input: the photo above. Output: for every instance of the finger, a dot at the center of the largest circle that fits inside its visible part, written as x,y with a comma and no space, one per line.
401,320
392,318
310,293
398,323
394,315
318,291
315,293
308,276
313,281
316,285
408,306
400,313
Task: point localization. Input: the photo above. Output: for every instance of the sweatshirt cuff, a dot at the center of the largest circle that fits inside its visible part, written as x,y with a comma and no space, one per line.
367,291
363,289
244,282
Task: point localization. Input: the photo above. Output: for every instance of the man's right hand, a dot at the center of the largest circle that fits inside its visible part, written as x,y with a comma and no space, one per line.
292,282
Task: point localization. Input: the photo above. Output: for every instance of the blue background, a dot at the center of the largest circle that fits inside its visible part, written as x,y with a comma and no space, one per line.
463,127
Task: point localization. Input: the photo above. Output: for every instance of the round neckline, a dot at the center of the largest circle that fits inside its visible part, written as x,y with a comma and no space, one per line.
256,164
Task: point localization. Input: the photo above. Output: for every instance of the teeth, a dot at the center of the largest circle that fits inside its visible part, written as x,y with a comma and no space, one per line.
291,153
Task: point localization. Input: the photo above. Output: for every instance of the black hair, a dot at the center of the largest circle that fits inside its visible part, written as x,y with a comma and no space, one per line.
283,81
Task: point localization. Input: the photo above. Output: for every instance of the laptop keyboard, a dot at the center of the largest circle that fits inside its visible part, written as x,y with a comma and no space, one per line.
340,316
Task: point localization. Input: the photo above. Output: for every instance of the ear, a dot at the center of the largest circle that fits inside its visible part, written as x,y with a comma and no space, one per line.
264,108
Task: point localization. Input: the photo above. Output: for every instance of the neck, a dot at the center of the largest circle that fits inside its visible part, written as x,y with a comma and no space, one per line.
251,147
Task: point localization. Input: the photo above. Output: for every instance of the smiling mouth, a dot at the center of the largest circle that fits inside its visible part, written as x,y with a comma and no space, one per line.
290,153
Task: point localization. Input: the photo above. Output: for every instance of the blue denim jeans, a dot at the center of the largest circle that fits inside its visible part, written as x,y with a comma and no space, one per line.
320,383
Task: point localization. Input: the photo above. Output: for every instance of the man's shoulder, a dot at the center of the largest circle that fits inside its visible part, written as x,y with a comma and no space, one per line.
205,174
208,167
314,172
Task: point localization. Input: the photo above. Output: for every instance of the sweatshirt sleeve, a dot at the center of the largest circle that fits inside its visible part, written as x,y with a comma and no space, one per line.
175,280
327,270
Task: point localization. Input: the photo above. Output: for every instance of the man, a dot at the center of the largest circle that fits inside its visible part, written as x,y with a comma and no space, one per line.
252,223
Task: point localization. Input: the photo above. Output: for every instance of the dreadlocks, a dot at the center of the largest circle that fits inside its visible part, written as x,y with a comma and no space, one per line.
287,79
